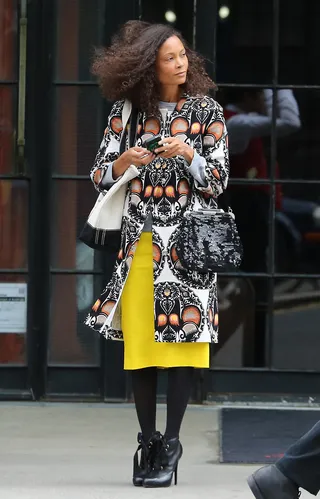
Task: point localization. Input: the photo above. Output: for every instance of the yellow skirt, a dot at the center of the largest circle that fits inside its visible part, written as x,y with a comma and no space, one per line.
137,304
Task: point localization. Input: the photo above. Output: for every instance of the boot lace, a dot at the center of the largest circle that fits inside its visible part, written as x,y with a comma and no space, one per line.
158,452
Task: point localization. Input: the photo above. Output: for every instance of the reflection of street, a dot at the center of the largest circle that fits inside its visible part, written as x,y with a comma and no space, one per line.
296,320
297,236
291,293
296,342
248,113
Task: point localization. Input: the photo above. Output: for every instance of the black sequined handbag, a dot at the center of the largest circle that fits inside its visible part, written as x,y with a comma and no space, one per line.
209,241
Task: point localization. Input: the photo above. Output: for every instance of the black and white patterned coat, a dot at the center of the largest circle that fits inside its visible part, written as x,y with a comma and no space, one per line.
185,302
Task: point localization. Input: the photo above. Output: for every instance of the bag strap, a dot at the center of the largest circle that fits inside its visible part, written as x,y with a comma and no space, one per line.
133,127
224,201
128,114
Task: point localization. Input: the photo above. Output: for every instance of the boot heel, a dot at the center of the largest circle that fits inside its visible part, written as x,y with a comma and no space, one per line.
176,476
165,467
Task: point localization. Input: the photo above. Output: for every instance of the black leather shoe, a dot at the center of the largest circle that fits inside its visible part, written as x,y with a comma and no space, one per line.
270,483
145,456
140,462
165,464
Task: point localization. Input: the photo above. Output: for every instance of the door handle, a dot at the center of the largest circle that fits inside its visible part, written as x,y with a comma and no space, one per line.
20,164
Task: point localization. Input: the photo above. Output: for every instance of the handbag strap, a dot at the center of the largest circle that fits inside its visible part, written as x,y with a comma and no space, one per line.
133,127
132,133
223,201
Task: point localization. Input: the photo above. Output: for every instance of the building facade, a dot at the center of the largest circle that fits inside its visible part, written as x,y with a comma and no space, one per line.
51,122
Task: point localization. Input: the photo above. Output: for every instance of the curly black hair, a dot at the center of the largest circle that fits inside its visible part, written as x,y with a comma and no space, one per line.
127,68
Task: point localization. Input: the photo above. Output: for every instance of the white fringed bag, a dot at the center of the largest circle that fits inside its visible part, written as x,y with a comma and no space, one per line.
102,229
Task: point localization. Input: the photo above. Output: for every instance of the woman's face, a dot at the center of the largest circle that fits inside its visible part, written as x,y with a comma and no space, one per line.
172,62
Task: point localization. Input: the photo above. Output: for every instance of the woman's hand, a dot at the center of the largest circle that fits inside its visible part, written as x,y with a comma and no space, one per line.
137,156
172,146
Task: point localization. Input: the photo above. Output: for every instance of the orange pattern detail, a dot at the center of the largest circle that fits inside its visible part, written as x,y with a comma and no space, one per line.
174,319
210,315
170,192
156,253
179,125
195,128
215,173
148,191
191,314
152,126
108,306
97,176
116,125
96,305
174,255
136,186
183,187
158,191
216,320
216,129
162,320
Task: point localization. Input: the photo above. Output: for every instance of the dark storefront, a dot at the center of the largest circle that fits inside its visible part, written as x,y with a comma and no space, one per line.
51,121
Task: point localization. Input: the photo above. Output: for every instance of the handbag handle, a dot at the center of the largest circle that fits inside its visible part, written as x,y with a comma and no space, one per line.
223,200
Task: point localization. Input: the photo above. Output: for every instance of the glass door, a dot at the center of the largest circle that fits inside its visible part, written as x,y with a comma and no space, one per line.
14,201
79,363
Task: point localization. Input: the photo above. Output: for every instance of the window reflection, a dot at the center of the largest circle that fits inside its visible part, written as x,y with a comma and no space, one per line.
299,154
299,35
244,42
297,243
78,129
242,308
8,98
69,216
70,341
296,319
8,39
79,28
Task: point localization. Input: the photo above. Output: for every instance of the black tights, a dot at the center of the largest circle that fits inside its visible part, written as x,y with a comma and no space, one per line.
144,384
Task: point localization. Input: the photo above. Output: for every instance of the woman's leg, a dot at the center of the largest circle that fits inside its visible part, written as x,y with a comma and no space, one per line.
166,461
179,389
144,385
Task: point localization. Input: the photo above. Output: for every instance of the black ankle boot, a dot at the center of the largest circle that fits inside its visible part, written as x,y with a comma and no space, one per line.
140,466
148,450
165,464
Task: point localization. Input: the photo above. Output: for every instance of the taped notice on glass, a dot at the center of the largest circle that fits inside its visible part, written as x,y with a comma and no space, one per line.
13,307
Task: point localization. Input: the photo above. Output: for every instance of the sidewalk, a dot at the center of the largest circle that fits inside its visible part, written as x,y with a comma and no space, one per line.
80,451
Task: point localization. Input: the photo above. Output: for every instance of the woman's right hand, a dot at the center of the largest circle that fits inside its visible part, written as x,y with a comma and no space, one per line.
137,156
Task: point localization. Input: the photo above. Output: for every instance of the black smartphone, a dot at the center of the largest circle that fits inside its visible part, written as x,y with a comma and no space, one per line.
152,143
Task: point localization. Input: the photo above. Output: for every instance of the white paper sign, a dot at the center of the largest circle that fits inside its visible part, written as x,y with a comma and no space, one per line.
13,307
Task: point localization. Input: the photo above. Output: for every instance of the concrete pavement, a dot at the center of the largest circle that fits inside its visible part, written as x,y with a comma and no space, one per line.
84,451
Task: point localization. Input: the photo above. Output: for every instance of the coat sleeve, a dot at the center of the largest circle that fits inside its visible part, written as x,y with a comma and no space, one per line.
215,153
109,148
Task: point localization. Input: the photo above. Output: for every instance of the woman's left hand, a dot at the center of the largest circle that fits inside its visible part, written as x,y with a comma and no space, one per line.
172,146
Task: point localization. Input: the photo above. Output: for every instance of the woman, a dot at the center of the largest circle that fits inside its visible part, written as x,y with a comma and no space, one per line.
166,315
